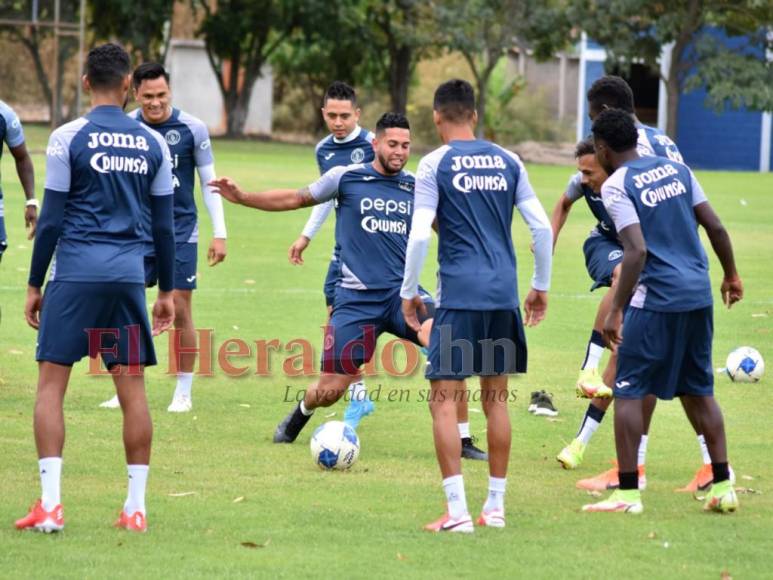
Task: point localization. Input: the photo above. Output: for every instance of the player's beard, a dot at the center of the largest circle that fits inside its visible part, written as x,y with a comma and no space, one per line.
384,161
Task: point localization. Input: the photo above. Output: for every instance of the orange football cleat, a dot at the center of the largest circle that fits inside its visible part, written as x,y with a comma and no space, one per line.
42,521
449,524
609,480
703,479
134,523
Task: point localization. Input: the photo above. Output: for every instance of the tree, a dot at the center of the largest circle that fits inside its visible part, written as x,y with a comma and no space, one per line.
34,38
633,30
143,30
327,46
484,30
240,36
399,32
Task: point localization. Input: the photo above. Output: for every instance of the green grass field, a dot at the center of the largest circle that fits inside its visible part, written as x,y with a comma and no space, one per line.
296,521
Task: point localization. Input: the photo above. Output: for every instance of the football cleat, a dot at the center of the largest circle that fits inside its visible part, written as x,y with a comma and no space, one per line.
133,523
356,410
721,498
471,451
703,479
545,406
40,520
462,524
535,397
571,455
626,501
180,404
492,519
609,480
591,386
113,403
288,430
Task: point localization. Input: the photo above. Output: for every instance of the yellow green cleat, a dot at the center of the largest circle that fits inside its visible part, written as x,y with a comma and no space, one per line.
721,498
590,385
571,455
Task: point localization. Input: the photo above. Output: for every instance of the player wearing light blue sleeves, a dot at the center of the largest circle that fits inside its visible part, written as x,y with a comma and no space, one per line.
12,133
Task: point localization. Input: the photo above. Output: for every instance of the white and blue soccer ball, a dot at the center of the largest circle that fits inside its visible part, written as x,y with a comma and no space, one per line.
335,445
745,365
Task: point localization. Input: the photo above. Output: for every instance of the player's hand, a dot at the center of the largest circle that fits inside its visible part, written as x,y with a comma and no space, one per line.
226,187
732,290
295,252
32,306
216,252
163,312
31,220
535,306
613,329
410,309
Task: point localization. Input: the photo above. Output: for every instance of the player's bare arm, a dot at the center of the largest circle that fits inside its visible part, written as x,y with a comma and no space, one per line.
558,219
732,287
271,200
26,173
634,257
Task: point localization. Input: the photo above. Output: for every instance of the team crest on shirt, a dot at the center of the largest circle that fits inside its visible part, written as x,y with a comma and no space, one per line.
358,155
172,137
614,255
406,186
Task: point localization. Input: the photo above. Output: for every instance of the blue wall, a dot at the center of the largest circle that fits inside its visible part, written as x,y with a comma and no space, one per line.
707,140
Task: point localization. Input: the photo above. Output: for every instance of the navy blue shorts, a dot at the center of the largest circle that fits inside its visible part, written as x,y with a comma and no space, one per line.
359,318
89,318
185,260
667,354
601,257
476,342
332,279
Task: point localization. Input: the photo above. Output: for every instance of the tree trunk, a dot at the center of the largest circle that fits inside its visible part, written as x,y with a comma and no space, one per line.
238,107
480,130
673,91
400,77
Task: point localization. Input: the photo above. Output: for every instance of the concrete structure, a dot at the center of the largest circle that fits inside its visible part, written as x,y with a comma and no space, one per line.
196,90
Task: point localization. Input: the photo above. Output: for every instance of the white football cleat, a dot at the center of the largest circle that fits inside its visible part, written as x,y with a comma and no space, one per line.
446,523
180,404
113,403
492,519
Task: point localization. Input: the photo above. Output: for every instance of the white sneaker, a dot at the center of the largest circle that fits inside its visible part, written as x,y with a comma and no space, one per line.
180,404
492,519
111,403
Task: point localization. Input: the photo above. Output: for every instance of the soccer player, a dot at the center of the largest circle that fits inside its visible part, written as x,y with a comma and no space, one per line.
375,204
347,143
603,254
101,170
189,144
472,188
12,132
665,347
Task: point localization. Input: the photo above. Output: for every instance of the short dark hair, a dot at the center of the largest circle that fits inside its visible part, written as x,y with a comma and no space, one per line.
455,100
107,65
611,91
148,71
392,120
617,129
585,147
340,91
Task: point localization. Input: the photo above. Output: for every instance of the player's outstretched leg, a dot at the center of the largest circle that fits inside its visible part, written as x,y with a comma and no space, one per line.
360,404
448,447
469,449
47,514
706,412
137,438
609,479
590,383
499,435
629,427
182,400
329,389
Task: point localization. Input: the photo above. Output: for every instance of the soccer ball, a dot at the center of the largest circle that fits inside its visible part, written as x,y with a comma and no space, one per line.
335,445
745,365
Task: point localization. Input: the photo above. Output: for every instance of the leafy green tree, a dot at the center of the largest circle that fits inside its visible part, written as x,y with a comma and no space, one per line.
638,30
240,37
141,28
